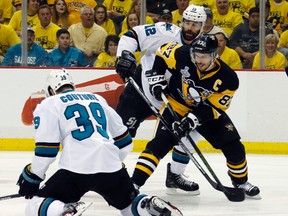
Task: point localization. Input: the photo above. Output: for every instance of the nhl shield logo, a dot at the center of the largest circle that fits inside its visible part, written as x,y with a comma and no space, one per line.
230,127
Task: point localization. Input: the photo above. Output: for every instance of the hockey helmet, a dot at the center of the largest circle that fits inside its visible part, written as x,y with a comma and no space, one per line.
195,13
56,79
205,43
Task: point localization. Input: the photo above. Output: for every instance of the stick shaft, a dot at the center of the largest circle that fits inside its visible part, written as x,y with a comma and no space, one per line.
12,196
232,194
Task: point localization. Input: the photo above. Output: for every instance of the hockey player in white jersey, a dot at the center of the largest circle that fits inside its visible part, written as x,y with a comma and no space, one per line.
133,109
95,143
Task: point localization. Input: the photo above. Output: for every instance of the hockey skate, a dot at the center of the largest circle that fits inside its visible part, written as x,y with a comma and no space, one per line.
178,184
75,209
251,191
158,207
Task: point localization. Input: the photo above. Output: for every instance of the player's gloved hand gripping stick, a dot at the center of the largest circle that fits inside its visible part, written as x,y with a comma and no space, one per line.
233,194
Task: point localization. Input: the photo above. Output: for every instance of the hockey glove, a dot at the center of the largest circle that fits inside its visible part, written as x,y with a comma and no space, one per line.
126,65
28,183
188,123
157,83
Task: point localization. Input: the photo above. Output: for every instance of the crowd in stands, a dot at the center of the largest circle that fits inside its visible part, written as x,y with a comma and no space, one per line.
85,33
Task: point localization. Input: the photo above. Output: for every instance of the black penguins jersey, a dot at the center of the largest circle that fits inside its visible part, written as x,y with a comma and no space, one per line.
205,94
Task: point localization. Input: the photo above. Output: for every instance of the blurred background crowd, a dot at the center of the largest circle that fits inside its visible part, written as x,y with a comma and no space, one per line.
85,33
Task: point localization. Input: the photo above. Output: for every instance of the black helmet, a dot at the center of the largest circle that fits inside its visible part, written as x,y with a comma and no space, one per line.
205,43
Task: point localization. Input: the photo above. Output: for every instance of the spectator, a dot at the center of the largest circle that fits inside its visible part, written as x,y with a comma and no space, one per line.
108,58
166,16
136,7
74,7
17,4
226,54
102,19
155,7
87,35
65,55
45,31
36,56
61,15
208,3
274,60
209,27
225,18
8,38
242,7
283,44
117,10
132,21
268,23
5,11
177,14
32,16
279,15
245,38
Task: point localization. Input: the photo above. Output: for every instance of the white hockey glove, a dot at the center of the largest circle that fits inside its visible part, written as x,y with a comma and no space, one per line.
157,83
188,123
126,65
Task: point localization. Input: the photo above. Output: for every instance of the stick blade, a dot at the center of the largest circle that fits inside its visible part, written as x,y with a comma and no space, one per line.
235,194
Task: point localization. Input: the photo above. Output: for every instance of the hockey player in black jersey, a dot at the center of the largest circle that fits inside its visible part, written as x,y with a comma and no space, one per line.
200,90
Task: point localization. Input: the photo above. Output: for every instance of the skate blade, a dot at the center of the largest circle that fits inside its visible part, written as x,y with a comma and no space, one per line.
83,209
256,197
177,191
168,209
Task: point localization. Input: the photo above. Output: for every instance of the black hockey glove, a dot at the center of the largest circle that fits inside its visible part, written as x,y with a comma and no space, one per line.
28,183
126,65
157,83
188,123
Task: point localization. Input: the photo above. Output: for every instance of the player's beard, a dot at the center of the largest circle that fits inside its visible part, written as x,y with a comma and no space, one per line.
189,35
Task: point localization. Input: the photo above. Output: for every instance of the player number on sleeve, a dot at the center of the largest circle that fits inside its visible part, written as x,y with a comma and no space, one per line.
225,100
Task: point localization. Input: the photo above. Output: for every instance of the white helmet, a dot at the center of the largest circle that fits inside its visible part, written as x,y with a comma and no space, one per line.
195,13
58,78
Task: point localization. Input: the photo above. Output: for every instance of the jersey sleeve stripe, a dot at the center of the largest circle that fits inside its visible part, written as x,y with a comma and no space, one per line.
124,140
47,149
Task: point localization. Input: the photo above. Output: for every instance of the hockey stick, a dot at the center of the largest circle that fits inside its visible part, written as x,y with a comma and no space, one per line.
233,194
12,196
286,70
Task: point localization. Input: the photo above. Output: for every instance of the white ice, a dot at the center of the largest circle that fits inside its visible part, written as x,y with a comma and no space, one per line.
269,172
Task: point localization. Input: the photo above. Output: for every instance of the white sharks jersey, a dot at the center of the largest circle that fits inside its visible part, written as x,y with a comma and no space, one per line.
92,134
147,39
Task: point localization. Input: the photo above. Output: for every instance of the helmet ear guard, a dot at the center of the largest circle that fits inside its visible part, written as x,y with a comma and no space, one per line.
56,79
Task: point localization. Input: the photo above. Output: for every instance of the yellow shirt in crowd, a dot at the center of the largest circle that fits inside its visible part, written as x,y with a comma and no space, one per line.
46,37
16,20
283,40
121,7
231,58
109,27
177,18
278,15
277,62
74,7
242,6
227,22
105,60
6,9
8,38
